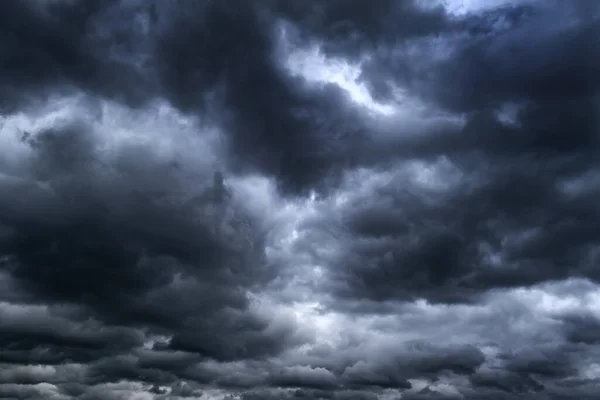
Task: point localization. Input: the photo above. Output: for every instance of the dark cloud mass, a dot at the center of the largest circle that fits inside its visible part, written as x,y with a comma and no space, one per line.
273,199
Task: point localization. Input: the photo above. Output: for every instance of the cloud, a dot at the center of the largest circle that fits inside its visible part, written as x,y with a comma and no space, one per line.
309,200
62,46
442,231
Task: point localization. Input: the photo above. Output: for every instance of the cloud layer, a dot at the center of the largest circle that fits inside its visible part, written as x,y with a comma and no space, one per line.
299,200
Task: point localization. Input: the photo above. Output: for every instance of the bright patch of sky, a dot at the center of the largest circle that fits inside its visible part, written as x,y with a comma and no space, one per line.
314,66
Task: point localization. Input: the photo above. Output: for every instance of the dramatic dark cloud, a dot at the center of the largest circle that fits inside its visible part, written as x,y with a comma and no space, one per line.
62,46
274,199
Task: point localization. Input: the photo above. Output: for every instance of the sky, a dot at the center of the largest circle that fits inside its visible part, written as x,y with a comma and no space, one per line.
308,200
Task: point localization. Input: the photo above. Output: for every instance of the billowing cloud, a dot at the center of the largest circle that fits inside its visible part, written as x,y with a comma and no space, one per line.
299,200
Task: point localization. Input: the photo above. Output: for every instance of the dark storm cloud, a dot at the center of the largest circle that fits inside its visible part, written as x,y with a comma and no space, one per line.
123,270
582,329
388,370
225,63
63,46
409,242
524,194
506,382
218,60
350,28
105,238
38,337
546,64
116,369
313,394
229,64
532,52
541,58
530,371
318,378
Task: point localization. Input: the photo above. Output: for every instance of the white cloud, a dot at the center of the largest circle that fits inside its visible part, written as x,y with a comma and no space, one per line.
314,66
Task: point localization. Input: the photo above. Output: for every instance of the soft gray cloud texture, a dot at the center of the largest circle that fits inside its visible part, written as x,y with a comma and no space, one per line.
278,199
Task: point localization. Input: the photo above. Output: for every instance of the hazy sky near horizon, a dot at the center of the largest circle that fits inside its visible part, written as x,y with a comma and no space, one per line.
280,199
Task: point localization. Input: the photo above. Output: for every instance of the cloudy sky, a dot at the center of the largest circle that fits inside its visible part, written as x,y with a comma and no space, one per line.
281,199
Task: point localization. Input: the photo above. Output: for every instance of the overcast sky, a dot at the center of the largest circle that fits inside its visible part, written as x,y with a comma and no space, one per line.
309,200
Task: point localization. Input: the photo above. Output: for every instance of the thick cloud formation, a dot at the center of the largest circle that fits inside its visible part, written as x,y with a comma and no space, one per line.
299,200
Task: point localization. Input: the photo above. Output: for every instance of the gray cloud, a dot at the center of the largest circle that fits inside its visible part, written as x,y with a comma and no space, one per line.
309,200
